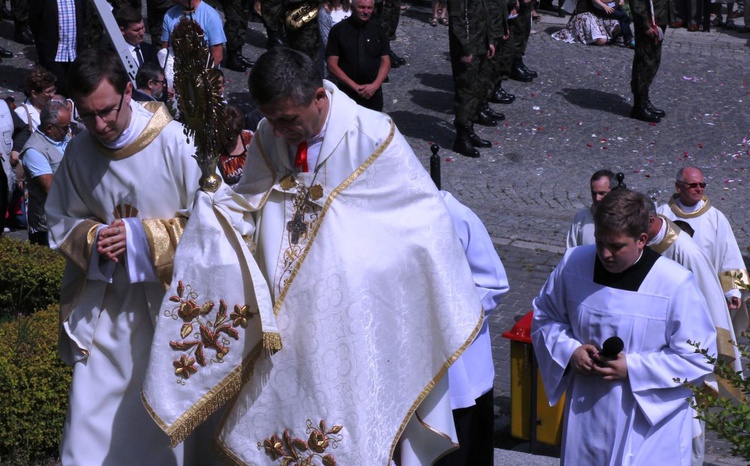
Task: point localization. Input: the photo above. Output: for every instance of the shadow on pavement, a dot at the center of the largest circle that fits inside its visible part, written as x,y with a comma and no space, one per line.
434,101
425,127
597,100
443,82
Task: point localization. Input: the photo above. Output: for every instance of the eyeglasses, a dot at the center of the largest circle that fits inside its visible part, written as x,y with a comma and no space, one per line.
692,185
63,128
163,82
104,115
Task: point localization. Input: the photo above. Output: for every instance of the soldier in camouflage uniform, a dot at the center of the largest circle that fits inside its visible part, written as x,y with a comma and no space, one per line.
388,14
521,27
649,33
471,37
235,27
501,62
272,12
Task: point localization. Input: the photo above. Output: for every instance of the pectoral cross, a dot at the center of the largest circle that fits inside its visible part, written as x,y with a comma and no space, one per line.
296,227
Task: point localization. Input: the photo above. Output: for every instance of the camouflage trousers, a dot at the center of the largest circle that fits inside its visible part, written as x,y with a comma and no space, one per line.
388,13
469,83
646,61
521,29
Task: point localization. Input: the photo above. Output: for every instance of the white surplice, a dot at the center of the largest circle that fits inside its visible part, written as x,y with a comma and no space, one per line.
582,229
107,310
473,374
644,419
714,236
374,300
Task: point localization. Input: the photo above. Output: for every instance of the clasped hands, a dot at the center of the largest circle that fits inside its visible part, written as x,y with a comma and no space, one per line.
111,241
587,361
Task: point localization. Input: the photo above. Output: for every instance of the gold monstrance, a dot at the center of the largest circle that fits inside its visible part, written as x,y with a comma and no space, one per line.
201,105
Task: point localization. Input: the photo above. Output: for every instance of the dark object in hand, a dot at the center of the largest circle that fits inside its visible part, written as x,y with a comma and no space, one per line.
611,348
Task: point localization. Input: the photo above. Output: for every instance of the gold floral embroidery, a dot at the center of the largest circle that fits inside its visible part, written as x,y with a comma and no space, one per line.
200,331
300,452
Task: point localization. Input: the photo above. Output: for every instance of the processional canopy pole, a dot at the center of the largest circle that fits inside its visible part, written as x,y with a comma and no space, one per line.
200,102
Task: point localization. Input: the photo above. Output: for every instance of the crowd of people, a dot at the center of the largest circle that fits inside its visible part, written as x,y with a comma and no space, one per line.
370,349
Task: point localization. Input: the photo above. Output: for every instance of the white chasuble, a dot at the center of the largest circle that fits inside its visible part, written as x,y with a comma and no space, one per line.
644,419
373,297
107,320
714,236
678,246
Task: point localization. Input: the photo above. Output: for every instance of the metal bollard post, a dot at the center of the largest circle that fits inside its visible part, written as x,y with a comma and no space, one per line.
435,165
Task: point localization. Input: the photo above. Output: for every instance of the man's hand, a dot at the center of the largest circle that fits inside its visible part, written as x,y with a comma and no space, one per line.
611,369
467,59
367,90
491,51
111,242
582,359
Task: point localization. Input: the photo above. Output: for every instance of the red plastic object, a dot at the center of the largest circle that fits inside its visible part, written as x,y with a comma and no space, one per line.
521,331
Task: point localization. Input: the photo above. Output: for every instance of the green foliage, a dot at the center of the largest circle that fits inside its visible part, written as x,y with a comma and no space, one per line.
34,384
30,277
729,418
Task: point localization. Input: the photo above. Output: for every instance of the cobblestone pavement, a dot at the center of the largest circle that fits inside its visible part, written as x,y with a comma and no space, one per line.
568,123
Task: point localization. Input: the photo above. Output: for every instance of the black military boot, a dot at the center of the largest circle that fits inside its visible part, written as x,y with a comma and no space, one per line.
523,66
462,145
500,96
475,140
656,111
518,73
5,53
396,61
493,114
234,61
641,112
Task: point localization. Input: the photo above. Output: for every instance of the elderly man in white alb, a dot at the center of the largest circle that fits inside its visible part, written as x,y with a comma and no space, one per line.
670,241
115,211
582,229
713,235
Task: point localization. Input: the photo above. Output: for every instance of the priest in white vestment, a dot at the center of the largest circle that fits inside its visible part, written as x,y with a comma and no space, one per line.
626,409
713,235
670,241
372,295
115,211
582,229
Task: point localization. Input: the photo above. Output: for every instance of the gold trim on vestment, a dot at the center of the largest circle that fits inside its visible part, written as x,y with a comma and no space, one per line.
156,123
428,388
669,237
78,250
440,433
163,237
680,213
729,279
724,345
345,184
225,390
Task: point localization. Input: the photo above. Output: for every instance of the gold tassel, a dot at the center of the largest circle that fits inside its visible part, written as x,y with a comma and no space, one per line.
272,341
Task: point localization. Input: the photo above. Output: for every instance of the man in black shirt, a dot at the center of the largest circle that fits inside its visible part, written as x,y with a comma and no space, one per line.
358,56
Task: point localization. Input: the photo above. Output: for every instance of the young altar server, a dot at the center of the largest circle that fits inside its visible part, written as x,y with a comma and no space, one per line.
628,409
